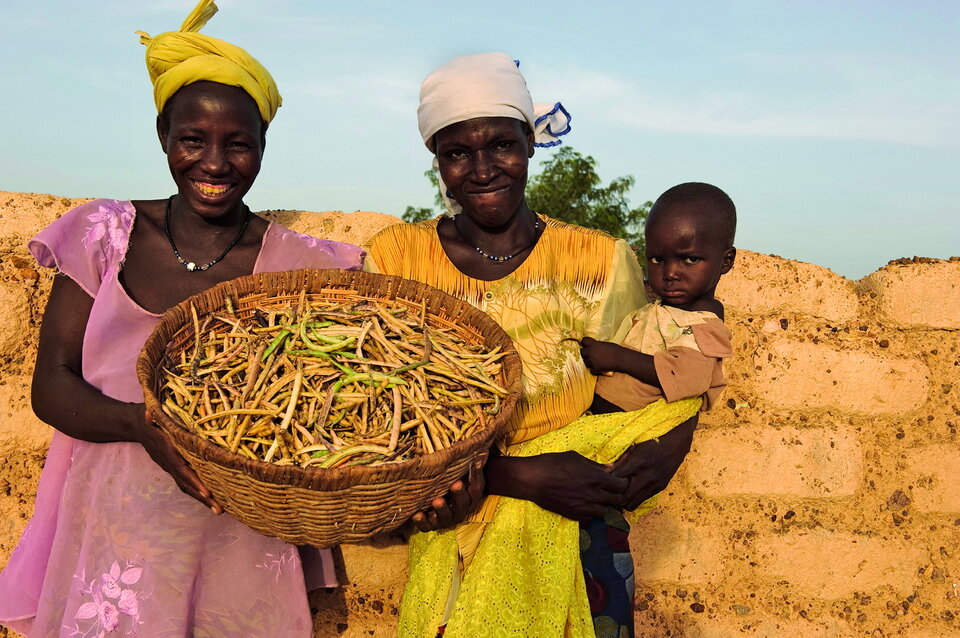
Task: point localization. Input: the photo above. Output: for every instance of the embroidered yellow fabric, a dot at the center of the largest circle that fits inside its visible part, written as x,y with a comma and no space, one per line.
526,571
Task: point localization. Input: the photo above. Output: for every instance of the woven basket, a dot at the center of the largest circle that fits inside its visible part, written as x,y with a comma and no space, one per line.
324,506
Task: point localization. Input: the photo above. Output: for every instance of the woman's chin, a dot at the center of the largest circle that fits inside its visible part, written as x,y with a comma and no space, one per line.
491,214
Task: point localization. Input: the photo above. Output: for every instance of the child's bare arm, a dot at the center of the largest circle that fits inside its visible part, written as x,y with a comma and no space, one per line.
603,356
709,304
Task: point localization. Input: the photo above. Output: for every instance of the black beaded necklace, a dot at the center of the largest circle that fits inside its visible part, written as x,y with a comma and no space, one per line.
499,259
191,266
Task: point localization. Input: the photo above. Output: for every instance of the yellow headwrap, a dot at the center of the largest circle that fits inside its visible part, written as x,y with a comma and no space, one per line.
178,58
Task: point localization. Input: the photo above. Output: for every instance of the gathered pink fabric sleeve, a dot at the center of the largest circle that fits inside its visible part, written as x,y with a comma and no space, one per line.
85,241
285,249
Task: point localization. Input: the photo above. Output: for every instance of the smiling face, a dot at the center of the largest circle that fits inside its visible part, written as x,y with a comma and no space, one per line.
686,253
213,137
484,163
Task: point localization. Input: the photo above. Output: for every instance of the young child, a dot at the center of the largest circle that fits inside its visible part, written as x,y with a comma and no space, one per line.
674,347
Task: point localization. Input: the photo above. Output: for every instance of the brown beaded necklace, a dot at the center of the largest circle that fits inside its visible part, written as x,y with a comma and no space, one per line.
496,258
191,266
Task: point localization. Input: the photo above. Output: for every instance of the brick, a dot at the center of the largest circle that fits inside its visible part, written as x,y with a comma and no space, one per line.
805,462
764,284
19,428
668,550
377,564
807,375
832,566
752,626
32,212
917,294
16,305
933,472
354,228
933,632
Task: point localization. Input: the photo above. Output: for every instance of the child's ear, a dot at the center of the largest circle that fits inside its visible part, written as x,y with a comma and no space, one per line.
728,257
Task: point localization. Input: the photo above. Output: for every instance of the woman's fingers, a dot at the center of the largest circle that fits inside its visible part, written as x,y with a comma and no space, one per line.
424,521
167,457
442,511
190,483
459,502
453,508
651,465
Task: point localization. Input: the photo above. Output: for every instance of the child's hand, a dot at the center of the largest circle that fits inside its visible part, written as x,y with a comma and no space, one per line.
601,357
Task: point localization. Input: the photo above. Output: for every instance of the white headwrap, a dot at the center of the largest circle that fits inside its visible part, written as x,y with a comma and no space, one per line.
484,85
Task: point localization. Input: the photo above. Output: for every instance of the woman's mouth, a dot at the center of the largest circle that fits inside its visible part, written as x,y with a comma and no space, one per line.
487,191
211,190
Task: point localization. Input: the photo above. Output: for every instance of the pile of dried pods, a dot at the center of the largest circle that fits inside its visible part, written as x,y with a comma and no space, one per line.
330,383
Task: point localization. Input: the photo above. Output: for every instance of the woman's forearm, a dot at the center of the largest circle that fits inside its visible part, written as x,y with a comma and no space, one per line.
60,395
502,477
63,400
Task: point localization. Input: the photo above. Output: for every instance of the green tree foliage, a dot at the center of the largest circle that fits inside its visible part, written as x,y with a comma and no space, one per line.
414,214
569,189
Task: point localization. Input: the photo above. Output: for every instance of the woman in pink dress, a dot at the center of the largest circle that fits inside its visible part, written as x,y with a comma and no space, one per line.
125,539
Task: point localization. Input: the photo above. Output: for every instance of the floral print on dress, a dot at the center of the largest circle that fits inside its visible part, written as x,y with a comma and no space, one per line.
538,316
112,221
114,603
276,562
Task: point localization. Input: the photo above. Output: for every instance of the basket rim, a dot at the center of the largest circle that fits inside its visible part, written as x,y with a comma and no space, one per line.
315,477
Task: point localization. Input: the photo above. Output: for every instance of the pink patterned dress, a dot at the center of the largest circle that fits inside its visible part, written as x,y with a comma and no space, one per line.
114,548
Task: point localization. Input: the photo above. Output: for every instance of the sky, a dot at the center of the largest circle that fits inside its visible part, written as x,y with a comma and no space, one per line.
834,126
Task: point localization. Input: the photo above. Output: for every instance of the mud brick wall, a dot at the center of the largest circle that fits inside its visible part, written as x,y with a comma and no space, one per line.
821,496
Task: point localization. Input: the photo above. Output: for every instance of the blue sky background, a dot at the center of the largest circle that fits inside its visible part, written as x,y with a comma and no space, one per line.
835,126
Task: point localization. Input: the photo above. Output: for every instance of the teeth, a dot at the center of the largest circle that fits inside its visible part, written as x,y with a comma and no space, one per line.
212,189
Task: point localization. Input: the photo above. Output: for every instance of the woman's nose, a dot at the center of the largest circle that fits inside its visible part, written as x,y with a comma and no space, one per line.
483,167
214,159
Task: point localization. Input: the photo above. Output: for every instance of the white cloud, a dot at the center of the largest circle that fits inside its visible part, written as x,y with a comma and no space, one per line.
392,90
885,114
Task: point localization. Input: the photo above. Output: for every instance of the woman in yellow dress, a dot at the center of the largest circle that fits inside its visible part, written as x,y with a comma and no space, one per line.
501,554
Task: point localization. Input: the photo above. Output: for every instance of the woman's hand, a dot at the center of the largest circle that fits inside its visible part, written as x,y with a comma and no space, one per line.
600,356
650,465
462,499
169,459
564,482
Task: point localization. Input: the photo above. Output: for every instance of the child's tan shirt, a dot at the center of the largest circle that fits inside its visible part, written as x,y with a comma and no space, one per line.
688,349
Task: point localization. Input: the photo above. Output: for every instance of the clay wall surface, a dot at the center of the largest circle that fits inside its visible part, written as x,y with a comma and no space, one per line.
820,498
